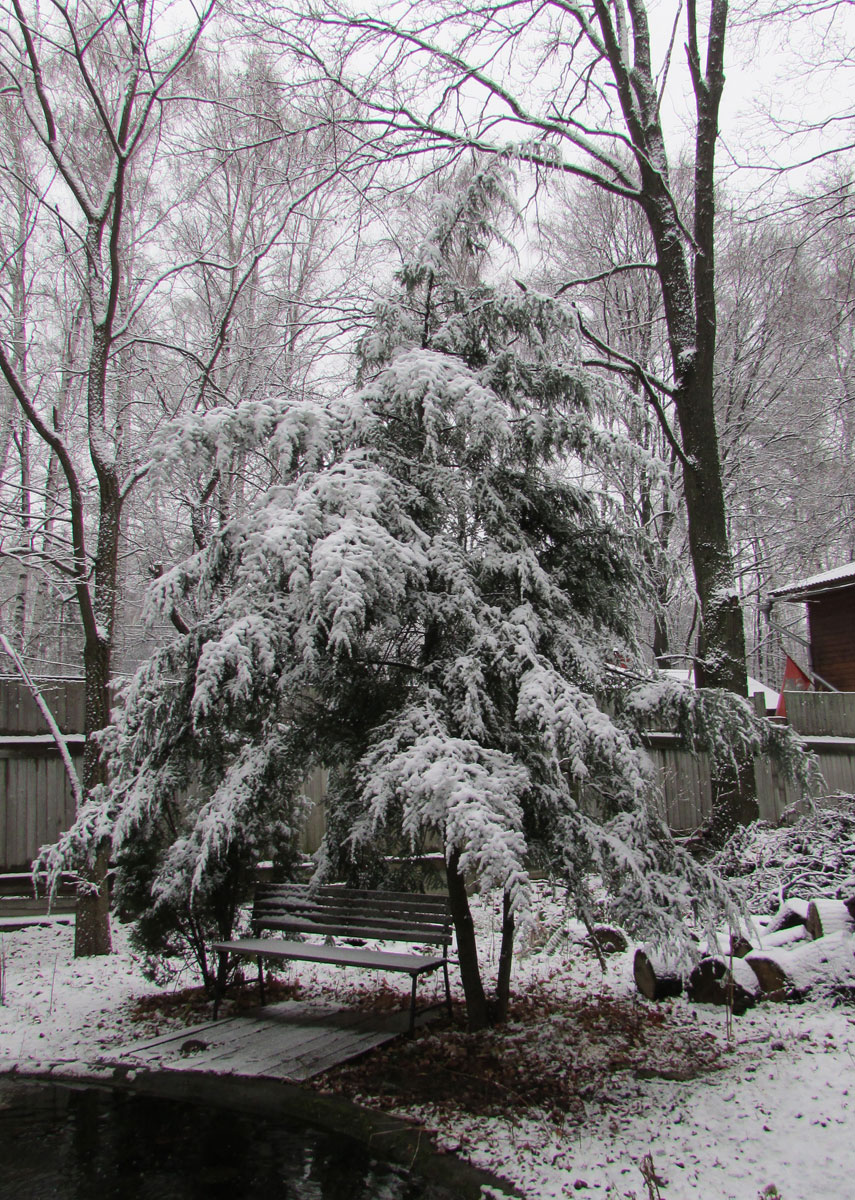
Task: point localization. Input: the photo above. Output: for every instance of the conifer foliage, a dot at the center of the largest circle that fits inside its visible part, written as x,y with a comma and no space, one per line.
430,601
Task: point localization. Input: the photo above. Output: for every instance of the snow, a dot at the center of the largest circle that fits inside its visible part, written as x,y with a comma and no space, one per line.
770,1117
777,1110
825,578
40,739
687,675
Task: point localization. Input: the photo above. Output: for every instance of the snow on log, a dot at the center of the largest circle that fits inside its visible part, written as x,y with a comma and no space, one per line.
783,937
714,981
791,914
825,917
826,965
654,978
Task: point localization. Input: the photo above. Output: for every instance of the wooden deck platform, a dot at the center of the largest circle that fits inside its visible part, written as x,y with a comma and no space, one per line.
292,1041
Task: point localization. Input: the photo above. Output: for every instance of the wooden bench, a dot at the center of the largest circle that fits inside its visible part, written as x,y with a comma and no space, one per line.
354,916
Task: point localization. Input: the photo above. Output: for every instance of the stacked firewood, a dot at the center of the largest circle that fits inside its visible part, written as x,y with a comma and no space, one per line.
806,948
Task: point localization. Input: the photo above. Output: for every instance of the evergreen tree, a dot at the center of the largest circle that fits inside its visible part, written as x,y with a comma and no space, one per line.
432,603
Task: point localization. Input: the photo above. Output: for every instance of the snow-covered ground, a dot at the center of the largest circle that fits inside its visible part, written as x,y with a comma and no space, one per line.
775,1117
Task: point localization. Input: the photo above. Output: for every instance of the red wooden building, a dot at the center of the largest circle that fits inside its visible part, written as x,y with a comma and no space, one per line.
830,600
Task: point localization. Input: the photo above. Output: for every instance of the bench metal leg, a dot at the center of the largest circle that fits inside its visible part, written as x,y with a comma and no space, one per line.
447,989
413,1005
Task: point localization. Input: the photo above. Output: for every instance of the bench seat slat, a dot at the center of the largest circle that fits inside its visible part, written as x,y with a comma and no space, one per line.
322,904
330,928
415,911
312,912
341,956
346,916
336,893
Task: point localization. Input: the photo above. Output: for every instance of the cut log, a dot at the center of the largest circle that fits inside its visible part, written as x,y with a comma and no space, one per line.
656,979
739,945
825,917
726,944
825,966
714,981
850,904
784,937
772,977
792,913
610,939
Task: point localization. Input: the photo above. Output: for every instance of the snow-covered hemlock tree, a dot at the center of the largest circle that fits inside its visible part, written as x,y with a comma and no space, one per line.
432,602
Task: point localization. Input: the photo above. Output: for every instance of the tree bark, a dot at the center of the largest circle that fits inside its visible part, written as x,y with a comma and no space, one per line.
477,1016
92,923
506,954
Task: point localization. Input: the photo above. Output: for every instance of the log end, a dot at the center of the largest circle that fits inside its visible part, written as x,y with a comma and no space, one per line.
655,980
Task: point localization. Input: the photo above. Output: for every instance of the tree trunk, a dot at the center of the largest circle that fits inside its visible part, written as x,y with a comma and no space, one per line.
92,923
720,661
689,300
467,950
506,954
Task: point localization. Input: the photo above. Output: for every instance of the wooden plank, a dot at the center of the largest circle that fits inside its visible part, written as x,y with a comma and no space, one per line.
335,892
309,910
36,791
16,847
306,904
340,956
830,714
838,770
325,907
4,810
283,1040
356,929
298,1051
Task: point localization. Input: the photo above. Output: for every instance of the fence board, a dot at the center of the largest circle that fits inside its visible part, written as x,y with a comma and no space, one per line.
5,857
838,769
19,713
36,801
315,787
823,714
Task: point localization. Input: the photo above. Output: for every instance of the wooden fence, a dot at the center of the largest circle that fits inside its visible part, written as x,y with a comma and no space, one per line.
36,798
20,715
36,801
825,721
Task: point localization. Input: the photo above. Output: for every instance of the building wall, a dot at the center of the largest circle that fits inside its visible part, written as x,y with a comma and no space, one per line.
831,621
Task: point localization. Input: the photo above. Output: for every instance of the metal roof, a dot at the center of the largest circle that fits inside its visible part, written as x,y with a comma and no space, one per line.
826,581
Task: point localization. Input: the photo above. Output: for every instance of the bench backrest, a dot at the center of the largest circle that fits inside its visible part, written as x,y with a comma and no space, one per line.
349,912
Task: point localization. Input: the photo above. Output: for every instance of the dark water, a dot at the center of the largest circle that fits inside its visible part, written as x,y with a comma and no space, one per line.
90,1144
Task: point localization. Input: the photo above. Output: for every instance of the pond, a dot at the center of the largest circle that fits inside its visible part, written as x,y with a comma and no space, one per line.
84,1143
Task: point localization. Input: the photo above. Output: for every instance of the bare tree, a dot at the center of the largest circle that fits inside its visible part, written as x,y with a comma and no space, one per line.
585,249
91,84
